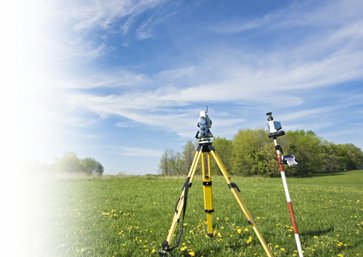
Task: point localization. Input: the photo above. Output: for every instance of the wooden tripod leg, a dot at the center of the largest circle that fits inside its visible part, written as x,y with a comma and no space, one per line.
180,204
235,190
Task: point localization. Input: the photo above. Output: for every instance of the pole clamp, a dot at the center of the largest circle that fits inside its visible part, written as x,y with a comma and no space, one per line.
207,183
233,185
278,147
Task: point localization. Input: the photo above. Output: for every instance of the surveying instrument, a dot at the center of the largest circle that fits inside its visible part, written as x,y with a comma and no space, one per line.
204,136
275,130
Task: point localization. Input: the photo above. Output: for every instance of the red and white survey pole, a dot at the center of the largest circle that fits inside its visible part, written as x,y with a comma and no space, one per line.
297,238
275,130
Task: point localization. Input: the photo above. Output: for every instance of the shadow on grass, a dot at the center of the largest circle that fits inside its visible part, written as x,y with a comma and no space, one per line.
312,233
315,174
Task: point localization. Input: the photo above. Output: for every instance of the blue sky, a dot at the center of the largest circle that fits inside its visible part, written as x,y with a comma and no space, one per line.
121,81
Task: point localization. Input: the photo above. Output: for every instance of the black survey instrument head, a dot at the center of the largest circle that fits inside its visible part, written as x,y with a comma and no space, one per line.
204,124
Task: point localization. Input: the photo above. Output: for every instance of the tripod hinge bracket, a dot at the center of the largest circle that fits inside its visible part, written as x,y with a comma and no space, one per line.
249,222
206,147
209,211
233,185
207,183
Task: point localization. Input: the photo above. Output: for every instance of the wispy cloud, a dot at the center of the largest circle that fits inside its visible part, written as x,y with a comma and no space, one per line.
92,136
111,79
101,14
135,151
165,96
127,151
70,119
27,131
75,17
299,14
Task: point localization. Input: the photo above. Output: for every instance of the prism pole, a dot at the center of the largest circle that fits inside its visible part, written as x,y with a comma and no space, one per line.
297,238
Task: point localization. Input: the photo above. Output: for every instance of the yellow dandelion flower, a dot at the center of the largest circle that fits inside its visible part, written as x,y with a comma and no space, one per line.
246,229
191,253
239,231
249,240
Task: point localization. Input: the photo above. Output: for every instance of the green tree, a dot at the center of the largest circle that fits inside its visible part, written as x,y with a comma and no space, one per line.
223,147
307,148
70,163
188,153
354,157
252,152
91,166
331,157
171,163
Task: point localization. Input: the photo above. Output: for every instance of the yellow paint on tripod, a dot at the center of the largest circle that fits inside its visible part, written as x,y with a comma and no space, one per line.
207,191
180,204
241,203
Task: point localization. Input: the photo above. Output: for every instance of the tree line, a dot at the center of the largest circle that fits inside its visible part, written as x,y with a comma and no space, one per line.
69,163
252,152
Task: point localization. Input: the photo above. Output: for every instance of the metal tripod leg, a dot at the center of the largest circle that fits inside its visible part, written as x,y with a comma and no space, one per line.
180,204
207,191
235,190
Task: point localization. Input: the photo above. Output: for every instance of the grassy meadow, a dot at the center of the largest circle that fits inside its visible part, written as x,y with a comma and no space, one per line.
131,216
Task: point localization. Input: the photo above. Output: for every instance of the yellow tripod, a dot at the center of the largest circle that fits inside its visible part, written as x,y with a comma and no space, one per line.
180,205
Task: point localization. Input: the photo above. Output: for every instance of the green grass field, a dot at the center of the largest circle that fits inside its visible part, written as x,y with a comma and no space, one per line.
131,216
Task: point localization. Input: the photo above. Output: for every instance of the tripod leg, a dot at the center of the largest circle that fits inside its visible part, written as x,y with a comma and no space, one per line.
180,205
235,190
207,190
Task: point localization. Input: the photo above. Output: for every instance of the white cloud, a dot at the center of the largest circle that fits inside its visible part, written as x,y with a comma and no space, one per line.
70,119
27,131
227,75
112,79
92,136
135,151
143,32
127,151
101,14
316,16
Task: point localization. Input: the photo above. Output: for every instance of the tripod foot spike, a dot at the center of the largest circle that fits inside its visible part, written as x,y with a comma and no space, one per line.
162,254
210,235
